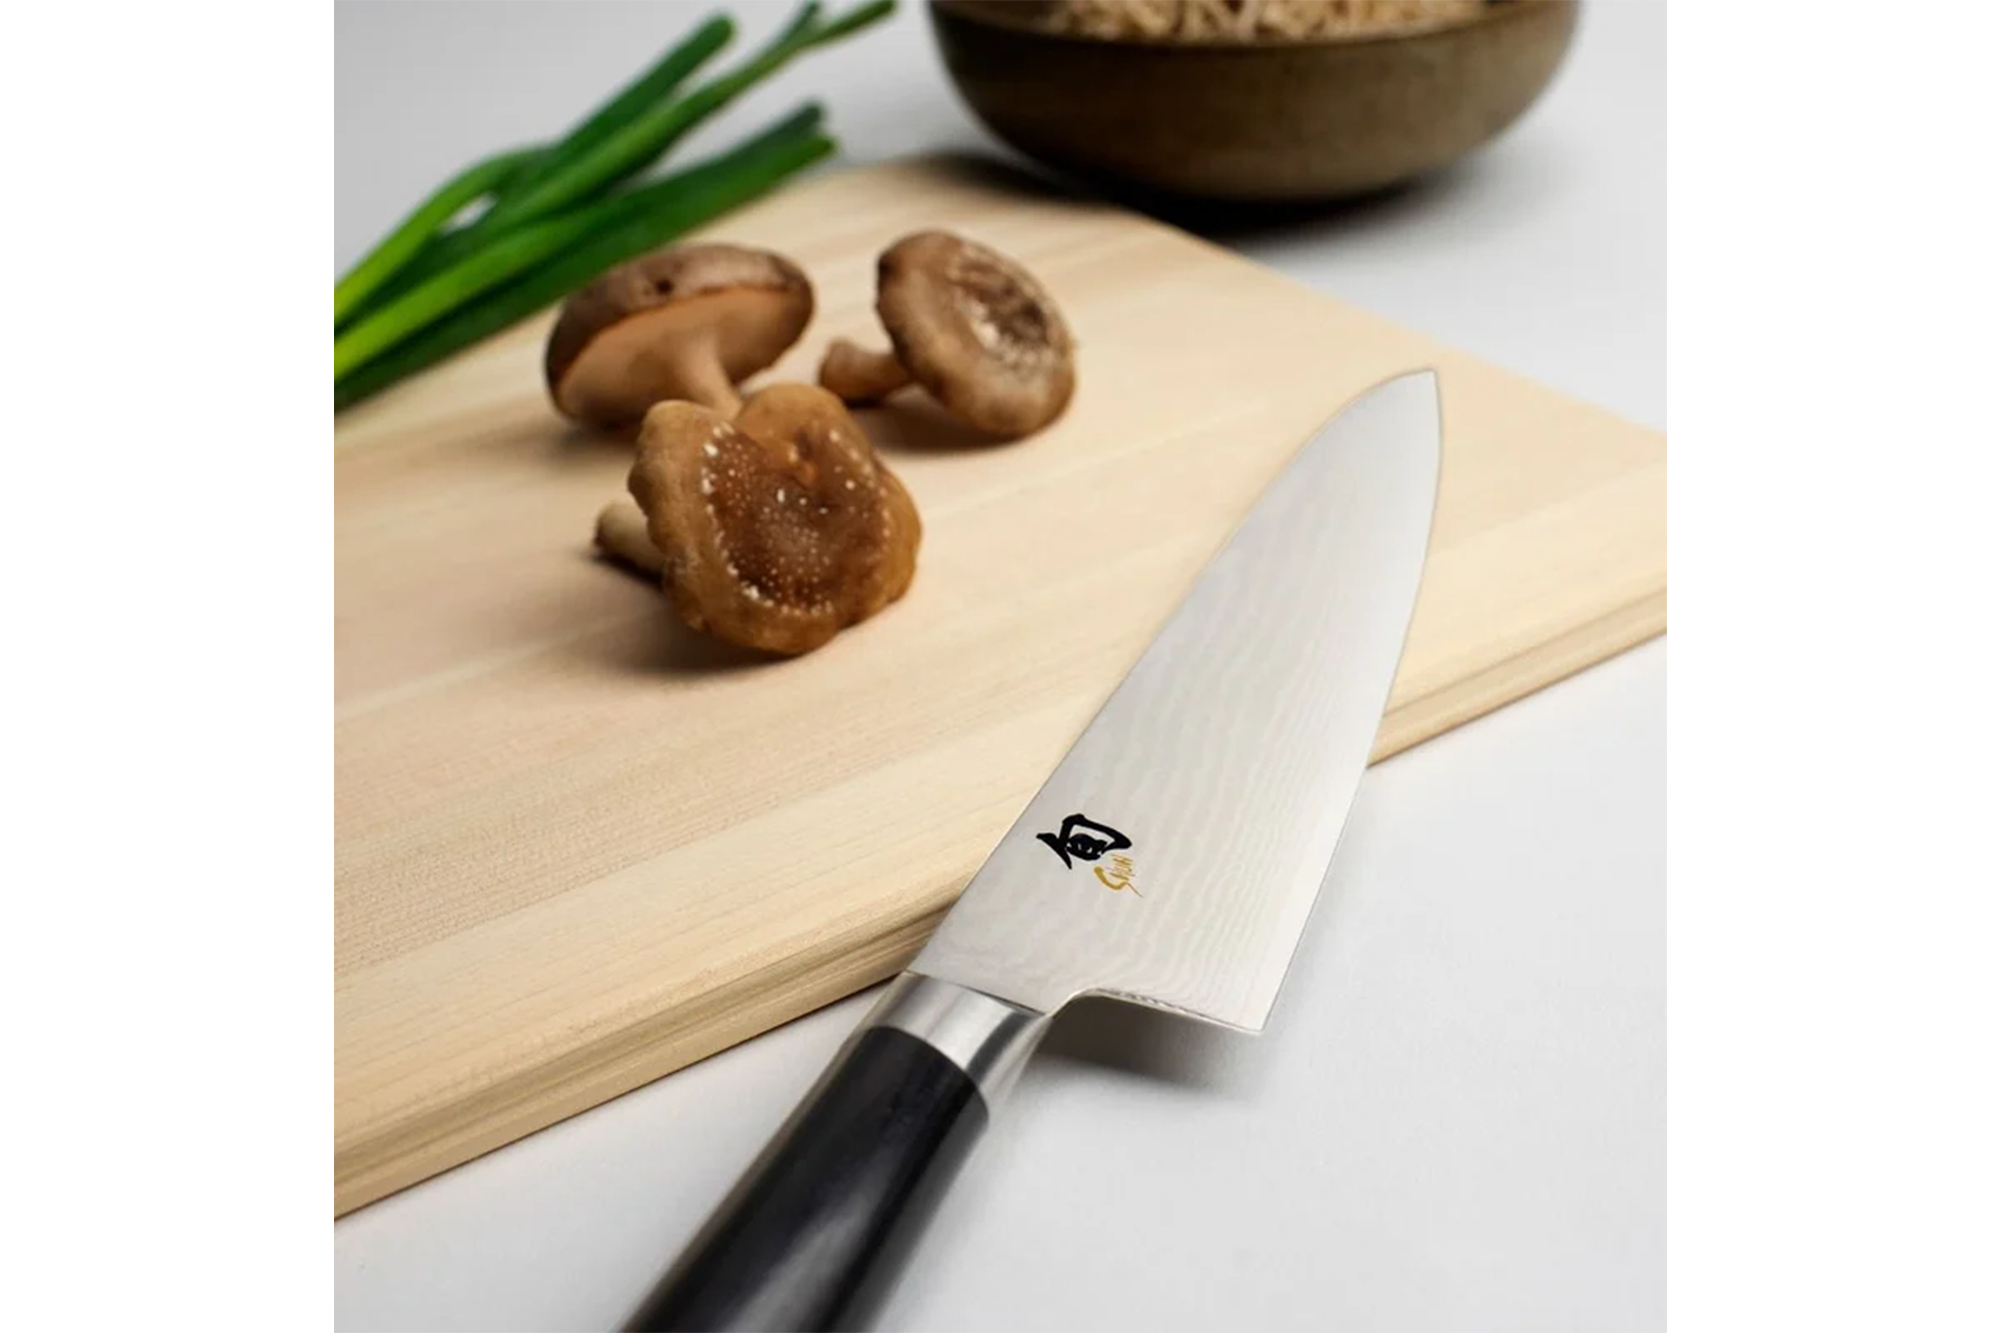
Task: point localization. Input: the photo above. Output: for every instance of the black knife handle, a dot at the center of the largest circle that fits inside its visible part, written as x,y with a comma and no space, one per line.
815,1233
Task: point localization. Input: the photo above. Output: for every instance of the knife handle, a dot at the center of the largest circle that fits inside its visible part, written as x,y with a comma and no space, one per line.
815,1232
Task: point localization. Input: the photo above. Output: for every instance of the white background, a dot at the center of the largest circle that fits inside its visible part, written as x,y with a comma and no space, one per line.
1457,1117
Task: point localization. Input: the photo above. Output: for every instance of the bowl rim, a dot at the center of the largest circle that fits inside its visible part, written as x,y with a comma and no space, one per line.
1493,12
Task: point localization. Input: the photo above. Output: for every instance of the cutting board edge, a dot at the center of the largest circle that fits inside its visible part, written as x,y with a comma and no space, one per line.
379,1160
1512,679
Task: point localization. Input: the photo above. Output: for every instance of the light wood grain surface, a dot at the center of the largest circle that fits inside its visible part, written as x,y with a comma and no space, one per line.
579,846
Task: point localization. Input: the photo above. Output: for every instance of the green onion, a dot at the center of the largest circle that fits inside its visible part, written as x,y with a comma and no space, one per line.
630,148
557,216
401,245
653,86
634,223
487,267
502,174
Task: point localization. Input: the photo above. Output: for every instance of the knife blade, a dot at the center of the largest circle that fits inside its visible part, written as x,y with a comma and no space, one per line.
1170,860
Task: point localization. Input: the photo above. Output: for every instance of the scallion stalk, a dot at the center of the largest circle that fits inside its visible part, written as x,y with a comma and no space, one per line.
420,245
400,246
629,149
489,266
640,220
644,92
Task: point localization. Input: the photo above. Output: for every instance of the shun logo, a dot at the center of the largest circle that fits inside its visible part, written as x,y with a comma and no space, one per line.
1084,839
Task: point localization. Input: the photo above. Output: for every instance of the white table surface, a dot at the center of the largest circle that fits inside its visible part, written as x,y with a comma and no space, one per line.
1456,1119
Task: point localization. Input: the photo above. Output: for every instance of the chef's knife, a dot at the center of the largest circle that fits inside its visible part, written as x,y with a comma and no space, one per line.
1170,860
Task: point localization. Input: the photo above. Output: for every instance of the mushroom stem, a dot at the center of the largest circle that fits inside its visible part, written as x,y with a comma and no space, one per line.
858,375
622,534
707,383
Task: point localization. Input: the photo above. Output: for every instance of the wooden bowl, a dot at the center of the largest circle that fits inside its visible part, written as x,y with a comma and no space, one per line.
1266,120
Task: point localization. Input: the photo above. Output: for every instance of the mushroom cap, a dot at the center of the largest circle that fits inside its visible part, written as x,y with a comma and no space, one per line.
657,329
977,331
781,527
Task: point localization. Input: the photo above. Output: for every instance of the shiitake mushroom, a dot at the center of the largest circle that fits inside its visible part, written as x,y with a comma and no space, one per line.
773,530
687,323
773,524
972,327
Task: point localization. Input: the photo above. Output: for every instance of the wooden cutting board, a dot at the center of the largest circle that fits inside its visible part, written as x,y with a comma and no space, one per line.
579,846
